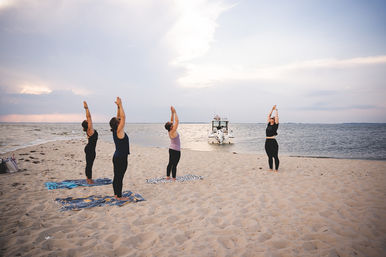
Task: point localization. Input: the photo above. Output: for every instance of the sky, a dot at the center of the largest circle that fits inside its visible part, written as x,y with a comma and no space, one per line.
320,61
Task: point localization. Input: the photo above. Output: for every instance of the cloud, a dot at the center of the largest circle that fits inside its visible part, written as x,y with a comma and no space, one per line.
56,117
5,3
334,107
36,103
35,89
84,46
210,75
193,31
335,63
51,117
81,91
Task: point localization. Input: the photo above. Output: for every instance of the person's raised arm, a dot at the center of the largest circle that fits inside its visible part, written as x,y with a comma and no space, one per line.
176,121
90,128
122,117
172,111
276,116
270,113
118,110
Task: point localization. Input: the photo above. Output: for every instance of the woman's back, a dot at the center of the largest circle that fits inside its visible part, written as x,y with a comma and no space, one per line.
122,147
175,143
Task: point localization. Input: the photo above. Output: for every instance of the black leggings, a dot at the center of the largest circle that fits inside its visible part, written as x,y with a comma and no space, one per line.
120,166
174,158
272,149
90,157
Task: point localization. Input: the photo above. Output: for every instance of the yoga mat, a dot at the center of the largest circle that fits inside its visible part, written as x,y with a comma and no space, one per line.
75,183
75,204
184,178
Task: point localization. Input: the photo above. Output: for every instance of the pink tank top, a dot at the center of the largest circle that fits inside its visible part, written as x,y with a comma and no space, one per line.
175,143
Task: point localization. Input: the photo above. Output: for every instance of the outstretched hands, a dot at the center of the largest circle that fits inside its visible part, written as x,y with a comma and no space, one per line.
172,109
274,107
85,105
118,101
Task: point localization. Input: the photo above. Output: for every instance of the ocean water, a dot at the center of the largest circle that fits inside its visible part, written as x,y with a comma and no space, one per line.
352,141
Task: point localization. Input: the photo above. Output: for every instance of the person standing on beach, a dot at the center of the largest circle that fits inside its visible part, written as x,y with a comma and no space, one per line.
271,146
92,136
122,149
175,145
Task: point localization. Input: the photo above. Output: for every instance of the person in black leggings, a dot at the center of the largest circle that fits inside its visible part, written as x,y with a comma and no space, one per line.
271,146
92,136
122,149
175,145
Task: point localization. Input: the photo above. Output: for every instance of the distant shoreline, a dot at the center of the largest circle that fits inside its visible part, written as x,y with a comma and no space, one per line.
203,122
190,149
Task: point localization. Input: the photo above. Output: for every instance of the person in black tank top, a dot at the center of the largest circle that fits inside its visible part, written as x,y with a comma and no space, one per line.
271,146
89,150
122,149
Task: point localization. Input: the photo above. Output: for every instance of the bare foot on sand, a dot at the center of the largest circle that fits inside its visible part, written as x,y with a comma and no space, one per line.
90,181
167,178
174,179
122,198
271,170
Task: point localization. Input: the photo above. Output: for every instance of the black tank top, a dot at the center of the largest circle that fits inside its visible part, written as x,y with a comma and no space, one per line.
92,141
271,130
122,147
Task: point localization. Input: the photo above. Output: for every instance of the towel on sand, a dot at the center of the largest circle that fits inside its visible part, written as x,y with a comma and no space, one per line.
184,178
75,204
78,182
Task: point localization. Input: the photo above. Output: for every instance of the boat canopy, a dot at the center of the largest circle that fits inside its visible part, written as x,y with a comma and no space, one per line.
219,124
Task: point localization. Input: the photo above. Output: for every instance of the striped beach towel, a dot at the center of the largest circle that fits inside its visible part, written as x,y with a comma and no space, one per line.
184,178
75,204
76,183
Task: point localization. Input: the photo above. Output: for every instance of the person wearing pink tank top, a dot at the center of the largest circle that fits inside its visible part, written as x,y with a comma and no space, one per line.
175,144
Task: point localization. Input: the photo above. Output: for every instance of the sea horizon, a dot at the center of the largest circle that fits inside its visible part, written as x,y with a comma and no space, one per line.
189,122
318,140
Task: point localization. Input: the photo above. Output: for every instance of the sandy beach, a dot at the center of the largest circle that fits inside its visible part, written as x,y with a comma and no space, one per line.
312,207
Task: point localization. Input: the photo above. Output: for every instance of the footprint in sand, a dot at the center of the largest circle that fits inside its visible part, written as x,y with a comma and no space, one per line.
111,239
310,246
142,240
226,242
172,219
180,239
47,233
264,237
279,244
122,250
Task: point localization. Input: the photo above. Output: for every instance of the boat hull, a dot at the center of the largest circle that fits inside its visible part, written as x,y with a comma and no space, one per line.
214,140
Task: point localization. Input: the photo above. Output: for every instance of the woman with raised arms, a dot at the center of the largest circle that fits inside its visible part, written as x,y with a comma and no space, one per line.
122,149
92,136
175,145
271,146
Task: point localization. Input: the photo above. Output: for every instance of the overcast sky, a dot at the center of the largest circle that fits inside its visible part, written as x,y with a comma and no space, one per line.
319,61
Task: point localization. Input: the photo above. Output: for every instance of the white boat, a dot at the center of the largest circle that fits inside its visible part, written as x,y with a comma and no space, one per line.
220,133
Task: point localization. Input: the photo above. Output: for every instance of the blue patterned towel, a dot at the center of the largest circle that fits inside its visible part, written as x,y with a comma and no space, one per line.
184,178
76,204
76,183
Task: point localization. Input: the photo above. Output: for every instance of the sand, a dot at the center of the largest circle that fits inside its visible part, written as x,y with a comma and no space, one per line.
312,207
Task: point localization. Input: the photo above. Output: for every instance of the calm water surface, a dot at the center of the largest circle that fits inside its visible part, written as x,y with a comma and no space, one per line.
357,141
